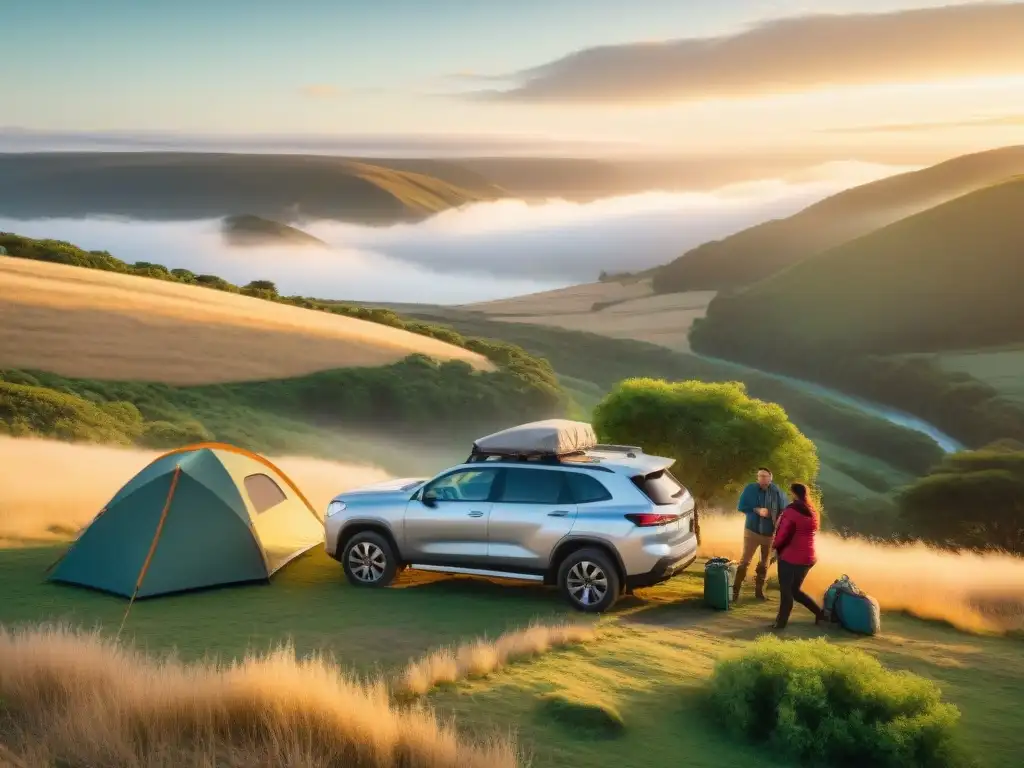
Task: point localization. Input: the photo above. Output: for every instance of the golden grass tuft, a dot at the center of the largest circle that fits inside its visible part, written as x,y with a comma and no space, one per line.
72,698
101,325
482,657
971,591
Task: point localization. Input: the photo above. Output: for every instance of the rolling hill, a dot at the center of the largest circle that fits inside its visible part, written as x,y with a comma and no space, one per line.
869,316
94,349
760,251
180,186
947,278
92,324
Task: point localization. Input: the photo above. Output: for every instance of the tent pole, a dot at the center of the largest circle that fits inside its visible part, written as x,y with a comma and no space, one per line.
152,548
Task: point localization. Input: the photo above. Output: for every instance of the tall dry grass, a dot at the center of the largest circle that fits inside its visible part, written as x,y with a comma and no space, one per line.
971,591
72,698
481,657
103,325
50,490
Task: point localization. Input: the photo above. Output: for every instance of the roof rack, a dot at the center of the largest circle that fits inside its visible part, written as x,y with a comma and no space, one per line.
538,457
545,456
630,450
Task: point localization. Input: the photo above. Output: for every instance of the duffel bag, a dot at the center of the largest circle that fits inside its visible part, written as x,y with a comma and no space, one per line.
851,608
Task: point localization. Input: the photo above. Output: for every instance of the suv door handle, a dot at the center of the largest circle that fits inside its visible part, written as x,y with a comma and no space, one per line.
558,513
476,514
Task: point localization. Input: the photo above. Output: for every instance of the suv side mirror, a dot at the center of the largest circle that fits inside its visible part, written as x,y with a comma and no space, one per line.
429,499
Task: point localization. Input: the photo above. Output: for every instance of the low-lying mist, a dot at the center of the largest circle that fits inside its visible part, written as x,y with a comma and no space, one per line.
51,489
971,591
476,253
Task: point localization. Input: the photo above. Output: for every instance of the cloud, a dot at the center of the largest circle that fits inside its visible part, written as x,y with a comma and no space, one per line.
479,252
790,55
999,121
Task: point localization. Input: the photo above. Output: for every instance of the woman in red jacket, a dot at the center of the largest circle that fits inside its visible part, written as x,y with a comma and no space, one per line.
794,547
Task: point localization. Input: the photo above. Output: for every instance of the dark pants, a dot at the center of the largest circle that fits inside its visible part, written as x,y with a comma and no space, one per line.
791,578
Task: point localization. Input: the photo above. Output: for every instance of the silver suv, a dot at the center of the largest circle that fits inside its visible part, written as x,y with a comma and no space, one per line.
596,523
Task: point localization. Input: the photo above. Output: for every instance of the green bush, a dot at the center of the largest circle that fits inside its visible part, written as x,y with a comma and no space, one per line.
973,499
26,410
820,703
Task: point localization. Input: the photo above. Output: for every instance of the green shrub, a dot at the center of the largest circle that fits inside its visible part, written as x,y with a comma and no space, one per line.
820,703
27,410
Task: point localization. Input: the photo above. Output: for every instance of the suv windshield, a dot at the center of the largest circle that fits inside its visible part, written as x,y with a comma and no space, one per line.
660,487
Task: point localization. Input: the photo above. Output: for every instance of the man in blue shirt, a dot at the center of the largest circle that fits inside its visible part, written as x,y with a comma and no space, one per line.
761,503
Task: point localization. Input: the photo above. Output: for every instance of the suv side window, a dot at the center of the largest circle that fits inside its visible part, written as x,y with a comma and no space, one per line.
586,489
534,486
464,485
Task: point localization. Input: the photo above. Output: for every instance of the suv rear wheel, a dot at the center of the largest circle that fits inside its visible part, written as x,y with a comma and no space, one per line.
588,580
369,560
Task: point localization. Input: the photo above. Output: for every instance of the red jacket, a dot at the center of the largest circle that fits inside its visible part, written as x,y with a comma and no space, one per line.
794,539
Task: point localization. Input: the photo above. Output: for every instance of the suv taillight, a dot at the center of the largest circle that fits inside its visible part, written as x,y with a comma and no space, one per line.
648,519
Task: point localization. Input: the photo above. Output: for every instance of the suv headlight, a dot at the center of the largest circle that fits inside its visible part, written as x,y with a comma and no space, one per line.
335,507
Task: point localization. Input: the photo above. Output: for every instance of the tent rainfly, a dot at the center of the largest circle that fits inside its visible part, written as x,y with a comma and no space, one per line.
551,437
200,516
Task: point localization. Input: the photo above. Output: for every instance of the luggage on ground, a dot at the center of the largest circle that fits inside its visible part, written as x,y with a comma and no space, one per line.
851,608
719,577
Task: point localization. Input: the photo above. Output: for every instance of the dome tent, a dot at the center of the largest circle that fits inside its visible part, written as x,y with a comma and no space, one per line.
200,516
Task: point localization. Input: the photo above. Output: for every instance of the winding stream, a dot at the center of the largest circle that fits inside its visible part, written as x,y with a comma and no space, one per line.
948,443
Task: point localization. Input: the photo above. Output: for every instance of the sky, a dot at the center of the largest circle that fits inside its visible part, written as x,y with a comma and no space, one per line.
685,76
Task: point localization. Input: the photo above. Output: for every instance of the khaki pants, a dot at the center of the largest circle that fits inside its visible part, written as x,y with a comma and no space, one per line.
752,542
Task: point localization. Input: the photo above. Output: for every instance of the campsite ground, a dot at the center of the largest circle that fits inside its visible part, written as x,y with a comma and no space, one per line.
648,663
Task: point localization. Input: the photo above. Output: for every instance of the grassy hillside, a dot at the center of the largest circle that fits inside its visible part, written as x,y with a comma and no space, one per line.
763,250
944,279
101,324
104,351
625,310
176,186
1001,368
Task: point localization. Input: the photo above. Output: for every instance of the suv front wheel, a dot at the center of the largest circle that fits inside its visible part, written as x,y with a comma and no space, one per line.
588,580
369,560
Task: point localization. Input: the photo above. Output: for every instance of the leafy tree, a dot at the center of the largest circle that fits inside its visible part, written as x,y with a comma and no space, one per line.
973,499
717,434
184,275
263,285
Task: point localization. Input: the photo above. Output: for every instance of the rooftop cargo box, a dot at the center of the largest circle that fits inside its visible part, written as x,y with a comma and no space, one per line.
554,437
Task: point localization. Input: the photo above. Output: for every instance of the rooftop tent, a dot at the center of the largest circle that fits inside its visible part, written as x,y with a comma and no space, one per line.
200,516
553,436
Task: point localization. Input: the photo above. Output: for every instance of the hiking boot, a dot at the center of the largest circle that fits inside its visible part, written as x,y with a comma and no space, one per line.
759,587
741,574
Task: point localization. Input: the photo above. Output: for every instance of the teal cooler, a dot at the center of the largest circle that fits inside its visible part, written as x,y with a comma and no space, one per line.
719,577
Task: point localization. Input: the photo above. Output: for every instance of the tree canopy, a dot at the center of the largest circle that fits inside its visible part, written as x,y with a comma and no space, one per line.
716,432
973,499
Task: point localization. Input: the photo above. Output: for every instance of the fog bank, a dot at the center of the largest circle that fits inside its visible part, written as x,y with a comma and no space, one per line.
479,252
